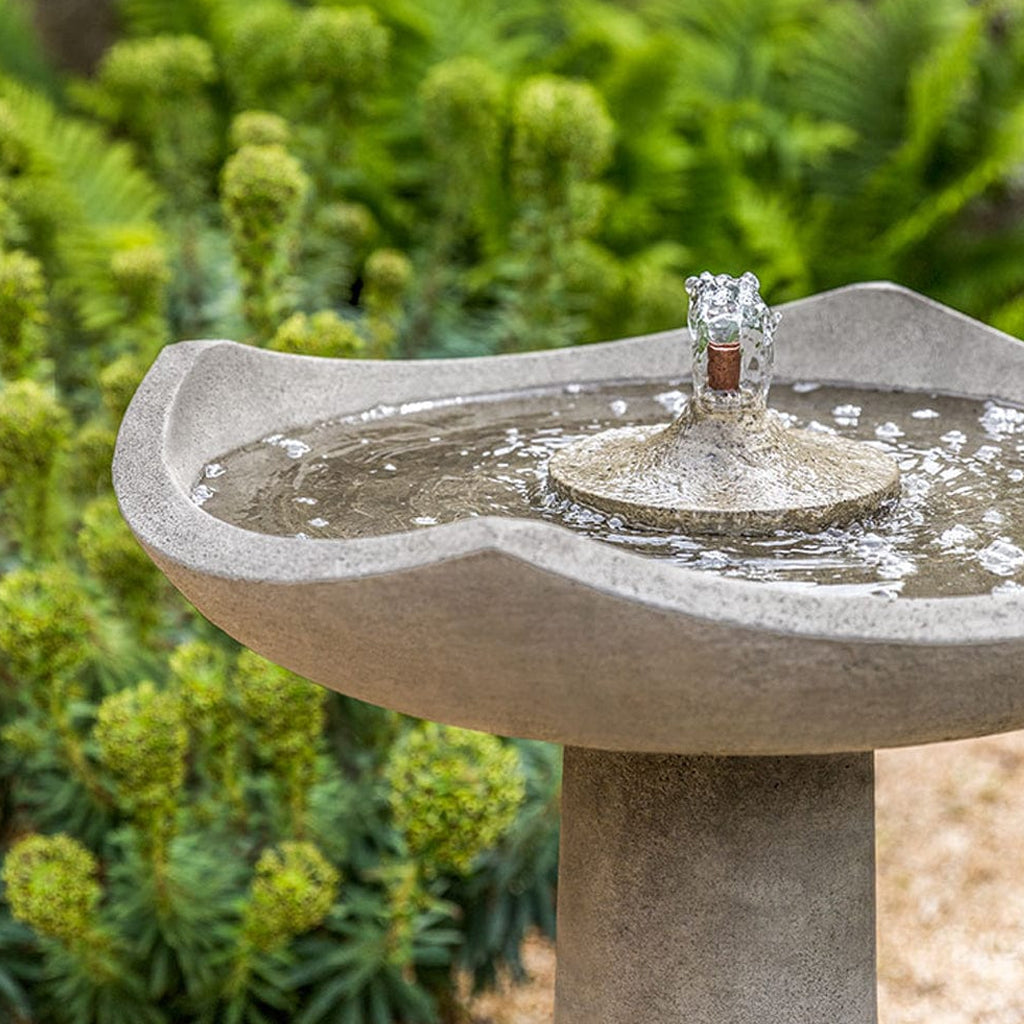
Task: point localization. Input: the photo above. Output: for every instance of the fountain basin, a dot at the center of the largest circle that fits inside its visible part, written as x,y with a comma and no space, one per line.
522,628
702,875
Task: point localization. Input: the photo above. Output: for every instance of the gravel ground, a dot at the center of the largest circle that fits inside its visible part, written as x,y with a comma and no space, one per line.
950,892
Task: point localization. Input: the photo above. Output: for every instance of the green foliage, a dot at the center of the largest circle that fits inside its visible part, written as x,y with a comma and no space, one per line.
142,742
262,192
114,556
45,627
34,430
292,890
51,885
322,334
259,128
22,313
156,89
341,50
454,793
286,715
439,177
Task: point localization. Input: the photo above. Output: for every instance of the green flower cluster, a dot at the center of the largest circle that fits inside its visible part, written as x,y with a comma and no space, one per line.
562,132
262,187
34,429
142,741
51,886
462,106
159,89
45,628
22,312
344,48
201,671
285,710
259,128
114,556
140,275
453,794
292,891
164,68
262,192
118,382
322,334
285,714
386,277
352,224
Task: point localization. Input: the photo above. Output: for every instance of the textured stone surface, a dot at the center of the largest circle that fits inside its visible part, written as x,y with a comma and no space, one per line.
523,628
732,473
716,890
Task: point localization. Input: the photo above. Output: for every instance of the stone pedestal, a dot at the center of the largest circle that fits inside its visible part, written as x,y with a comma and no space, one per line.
716,890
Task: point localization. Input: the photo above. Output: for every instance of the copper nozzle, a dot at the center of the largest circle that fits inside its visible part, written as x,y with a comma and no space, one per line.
724,367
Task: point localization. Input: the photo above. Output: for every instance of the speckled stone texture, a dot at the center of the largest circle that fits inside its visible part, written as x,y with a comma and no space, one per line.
525,629
702,890
696,889
741,473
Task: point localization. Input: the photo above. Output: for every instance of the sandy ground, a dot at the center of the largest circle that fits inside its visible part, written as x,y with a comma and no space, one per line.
950,892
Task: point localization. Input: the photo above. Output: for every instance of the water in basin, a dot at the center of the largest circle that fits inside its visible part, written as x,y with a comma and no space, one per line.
958,528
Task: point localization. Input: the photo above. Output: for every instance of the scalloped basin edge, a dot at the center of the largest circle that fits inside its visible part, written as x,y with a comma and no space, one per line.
523,628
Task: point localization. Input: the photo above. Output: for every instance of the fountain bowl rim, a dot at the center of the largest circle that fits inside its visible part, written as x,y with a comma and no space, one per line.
154,498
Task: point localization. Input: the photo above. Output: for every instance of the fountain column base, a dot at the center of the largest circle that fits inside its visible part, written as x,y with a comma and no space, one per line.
716,890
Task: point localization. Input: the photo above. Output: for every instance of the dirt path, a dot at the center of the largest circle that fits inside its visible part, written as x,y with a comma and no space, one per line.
950,892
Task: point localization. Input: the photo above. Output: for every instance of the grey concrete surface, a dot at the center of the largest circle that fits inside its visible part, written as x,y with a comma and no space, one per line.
695,887
703,890
523,628
735,472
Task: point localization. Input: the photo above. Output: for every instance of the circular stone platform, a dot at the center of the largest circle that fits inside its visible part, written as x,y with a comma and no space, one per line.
727,464
732,472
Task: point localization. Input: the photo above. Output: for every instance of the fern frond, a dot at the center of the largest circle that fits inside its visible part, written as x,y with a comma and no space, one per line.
21,54
1005,155
99,178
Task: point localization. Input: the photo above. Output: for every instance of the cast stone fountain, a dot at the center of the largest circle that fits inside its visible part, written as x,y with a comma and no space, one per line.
717,858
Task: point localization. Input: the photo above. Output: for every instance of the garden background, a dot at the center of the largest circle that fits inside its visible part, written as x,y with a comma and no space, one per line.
190,833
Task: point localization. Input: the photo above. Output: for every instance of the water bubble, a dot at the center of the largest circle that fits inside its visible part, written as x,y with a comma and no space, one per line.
713,559
1002,557
319,522
846,415
672,401
1007,588
888,431
202,494
293,447
618,407
805,387
956,538
924,414
212,470
999,421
